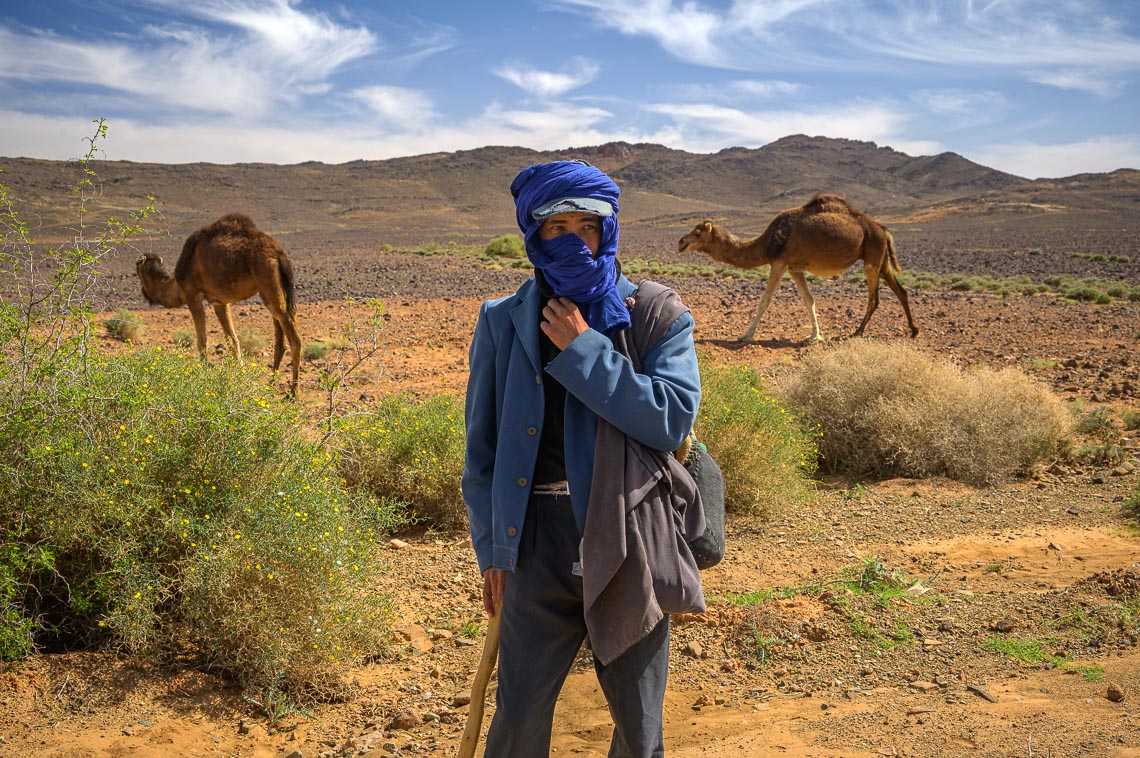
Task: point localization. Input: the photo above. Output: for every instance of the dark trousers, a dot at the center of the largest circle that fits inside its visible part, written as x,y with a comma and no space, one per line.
541,630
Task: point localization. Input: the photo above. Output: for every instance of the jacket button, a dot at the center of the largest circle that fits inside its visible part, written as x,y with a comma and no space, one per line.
512,532
537,379
531,431
511,562
522,481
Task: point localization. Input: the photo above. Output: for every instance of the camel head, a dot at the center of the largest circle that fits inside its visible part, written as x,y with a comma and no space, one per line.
153,278
698,240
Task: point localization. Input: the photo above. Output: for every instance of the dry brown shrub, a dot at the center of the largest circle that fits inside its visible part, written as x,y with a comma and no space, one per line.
888,410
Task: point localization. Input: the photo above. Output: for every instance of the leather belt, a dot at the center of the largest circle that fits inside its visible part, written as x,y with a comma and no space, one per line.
552,488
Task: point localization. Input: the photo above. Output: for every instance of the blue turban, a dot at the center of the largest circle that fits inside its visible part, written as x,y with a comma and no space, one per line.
566,263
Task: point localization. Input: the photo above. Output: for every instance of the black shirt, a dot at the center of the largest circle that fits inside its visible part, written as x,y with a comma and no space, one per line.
551,463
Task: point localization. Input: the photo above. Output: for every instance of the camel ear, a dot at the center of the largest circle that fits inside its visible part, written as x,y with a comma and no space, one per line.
706,225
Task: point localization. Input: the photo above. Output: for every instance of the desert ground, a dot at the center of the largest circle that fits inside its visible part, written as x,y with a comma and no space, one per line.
1053,558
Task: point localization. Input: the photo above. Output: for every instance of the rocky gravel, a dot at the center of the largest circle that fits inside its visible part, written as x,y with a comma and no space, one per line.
903,617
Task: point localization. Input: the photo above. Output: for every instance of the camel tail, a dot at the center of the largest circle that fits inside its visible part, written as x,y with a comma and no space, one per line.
285,270
892,260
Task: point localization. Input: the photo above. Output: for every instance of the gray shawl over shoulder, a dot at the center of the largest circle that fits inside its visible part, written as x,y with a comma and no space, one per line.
636,563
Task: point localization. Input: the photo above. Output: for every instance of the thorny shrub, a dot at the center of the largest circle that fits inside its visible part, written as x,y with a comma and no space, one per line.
410,451
767,455
154,503
184,511
888,410
124,326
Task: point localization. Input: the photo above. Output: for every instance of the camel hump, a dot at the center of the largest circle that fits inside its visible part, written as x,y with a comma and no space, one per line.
233,223
828,202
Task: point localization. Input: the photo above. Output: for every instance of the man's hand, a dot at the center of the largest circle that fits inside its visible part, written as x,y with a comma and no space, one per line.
494,579
562,322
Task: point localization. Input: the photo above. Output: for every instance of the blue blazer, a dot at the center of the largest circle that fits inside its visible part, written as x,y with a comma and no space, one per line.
504,411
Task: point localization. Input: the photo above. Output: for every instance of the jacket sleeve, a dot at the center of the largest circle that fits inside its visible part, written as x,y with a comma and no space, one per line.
482,438
658,406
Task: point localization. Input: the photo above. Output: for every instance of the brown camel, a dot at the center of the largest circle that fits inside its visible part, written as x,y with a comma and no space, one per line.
823,237
228,261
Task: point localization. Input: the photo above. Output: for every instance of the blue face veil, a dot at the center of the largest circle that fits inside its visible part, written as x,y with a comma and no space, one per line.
566,263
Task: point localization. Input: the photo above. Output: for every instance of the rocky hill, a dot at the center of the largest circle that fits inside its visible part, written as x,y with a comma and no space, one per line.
948,213
467,189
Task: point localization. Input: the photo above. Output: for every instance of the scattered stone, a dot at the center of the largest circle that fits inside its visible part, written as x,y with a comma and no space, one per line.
1123,469
1098,479
693,650
1115,693
441,634
924,686
463,698
396,544
407,719
244,726
127,732
1004,626
296,754
980,692
436,672
918,709
415,636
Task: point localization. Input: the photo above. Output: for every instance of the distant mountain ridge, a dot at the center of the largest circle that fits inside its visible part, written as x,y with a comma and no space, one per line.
660,186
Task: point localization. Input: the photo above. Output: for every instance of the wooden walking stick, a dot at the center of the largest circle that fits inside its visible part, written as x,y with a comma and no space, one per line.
479,687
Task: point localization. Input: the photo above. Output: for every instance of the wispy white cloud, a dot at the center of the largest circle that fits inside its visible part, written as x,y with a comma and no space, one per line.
400,107
550,83
960,109
1087,81
273,54
770,88
688,31
1036,160
958,102
310,44
709,127
1067,44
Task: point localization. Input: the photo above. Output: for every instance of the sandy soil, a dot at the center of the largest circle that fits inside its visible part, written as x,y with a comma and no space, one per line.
1054,559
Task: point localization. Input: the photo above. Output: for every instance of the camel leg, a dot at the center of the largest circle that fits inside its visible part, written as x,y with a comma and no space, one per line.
774,276
198,314
278,344
223,312
285,325
294,337
900,293
809,302
872,274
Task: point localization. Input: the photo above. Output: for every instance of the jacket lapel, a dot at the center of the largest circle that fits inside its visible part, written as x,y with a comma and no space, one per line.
524,315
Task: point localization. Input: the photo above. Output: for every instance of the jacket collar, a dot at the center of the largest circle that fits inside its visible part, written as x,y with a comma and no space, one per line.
525,314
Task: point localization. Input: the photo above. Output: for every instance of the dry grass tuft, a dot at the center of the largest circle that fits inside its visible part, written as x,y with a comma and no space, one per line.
887,410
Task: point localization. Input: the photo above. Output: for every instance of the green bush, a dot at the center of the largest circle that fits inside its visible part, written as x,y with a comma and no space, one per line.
251,340
125,326
410,451
886,410
767,456
506,246
184,511
314,351
184,338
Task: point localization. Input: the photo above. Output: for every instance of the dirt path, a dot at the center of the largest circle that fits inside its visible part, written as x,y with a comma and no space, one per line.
1052,562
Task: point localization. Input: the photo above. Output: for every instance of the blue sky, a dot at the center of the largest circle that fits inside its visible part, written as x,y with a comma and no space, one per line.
1033,87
